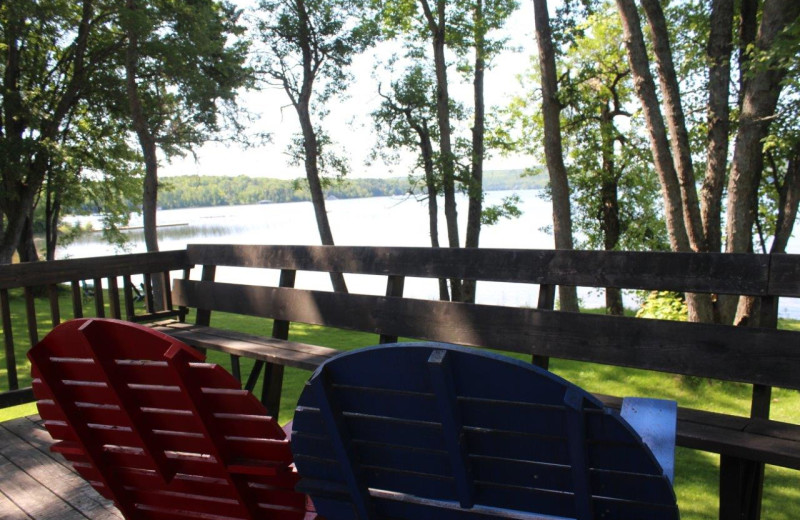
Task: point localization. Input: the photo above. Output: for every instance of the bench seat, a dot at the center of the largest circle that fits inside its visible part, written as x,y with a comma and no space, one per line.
270,350
765,440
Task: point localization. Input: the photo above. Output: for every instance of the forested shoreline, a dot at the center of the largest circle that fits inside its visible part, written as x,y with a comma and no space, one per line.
192,191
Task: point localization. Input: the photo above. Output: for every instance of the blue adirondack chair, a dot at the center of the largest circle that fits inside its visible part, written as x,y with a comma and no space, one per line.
433,431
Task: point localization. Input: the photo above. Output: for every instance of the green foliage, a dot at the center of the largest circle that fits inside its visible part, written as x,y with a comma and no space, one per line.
664,305
508,209
191,63
199,191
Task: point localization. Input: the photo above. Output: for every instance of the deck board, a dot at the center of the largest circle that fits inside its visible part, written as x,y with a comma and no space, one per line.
37,484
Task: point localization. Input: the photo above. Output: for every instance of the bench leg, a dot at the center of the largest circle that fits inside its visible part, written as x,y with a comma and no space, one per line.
271,391
741,483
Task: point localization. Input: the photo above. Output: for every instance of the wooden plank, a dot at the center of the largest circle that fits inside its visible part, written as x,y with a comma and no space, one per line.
113,298
762,356
272,385
784,275
280,352
77,300
37,501
16,396
394,289
696,272
60,271
127,290
769,441
8,341
32,431
55,311
30,316
64,483
9,510
203,314
148,293
99,306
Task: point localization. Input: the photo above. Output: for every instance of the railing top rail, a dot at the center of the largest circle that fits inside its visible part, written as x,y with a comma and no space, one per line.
723,273
59,271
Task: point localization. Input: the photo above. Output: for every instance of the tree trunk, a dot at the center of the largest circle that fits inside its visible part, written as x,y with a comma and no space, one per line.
310,144
760,99
761,92
15,222
609,213
676,123
788,199
311,150
748,29
436,26
699,305
719,51
52,214
426,148
27,247
475,189
551,109
147,142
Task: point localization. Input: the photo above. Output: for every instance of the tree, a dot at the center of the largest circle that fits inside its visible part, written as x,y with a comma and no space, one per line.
462,28
764,61
486,17
559,185
49,51
183,65
612,187
308,42
407,119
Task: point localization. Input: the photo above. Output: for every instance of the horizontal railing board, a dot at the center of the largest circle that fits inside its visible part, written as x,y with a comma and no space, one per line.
751,355
784,277
698,272
60,271
15,397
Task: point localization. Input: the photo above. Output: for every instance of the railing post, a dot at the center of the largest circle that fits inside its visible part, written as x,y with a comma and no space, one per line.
30,315
547,301
99,306
77,299
127,289
55,311
273,373
8,337
113,298
394,288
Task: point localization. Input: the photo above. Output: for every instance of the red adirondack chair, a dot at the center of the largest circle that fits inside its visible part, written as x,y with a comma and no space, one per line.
153,427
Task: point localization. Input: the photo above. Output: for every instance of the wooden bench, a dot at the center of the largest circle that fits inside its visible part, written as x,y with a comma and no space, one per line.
763,357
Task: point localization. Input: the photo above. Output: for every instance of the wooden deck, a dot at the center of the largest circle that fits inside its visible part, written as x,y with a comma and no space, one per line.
38,484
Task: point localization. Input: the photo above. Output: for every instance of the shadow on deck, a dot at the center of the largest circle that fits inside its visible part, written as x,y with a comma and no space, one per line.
38,484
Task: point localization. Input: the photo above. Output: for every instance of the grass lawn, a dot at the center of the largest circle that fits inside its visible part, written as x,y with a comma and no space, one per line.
696,473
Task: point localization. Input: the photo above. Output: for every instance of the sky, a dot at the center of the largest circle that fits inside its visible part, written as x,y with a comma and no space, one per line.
349,122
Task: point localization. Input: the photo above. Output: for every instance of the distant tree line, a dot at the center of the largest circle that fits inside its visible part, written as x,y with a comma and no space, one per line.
193,191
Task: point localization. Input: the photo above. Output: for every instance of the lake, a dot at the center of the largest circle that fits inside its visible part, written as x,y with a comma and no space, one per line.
378,221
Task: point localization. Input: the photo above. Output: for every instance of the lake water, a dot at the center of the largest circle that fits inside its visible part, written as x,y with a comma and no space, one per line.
379,221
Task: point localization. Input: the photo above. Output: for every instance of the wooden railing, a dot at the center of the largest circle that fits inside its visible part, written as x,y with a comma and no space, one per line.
89,281
761,357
